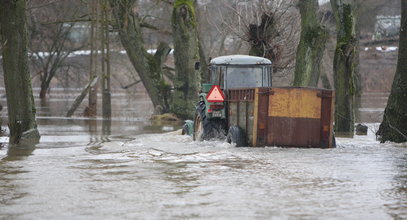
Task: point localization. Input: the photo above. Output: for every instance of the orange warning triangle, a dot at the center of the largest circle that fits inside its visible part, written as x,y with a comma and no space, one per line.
215,94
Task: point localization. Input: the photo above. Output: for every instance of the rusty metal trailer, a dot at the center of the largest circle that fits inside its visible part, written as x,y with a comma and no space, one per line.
283,116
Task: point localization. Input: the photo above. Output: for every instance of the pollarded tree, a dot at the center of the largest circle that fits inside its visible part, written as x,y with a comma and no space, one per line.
269,28
273,34
20,100
311,47
394,124
186,53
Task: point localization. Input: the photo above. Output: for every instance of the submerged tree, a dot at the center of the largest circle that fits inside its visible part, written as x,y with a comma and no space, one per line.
51,42
394,124
186,53
91,109
311,47
20,100
51,58
345,66
149,67
106,91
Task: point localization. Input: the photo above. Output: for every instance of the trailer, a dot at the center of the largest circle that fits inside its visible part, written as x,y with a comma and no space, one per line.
240,104
282,116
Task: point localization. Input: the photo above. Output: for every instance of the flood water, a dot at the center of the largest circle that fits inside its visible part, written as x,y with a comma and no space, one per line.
132,169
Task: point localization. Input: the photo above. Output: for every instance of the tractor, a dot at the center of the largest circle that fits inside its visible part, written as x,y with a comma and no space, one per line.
240,104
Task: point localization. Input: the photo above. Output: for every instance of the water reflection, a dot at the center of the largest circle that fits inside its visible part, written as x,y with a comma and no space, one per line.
17,152
93,126
398,208
11,189
21,150
106,127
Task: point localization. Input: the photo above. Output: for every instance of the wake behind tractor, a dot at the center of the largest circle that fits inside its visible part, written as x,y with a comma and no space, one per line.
239,103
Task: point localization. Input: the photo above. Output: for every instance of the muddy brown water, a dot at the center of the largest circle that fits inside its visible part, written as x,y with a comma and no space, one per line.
136,170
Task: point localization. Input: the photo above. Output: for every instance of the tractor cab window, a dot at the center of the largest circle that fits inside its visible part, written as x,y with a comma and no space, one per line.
240,76
248,77
217,75
267,73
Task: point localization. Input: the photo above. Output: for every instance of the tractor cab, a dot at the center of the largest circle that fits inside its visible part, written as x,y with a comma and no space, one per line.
226,74
240,71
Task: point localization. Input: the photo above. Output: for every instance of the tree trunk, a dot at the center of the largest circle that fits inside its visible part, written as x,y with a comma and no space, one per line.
204,70
260,37
357,78
186,53
311,47
394,124
20,100
106,96
91,109
45,84
46,81
203,63
345,66
43,91
148,67
80,98
325,81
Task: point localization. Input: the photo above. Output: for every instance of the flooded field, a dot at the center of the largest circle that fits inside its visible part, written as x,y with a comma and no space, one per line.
132,169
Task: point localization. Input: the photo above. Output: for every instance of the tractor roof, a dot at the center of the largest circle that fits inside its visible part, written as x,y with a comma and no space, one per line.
239,60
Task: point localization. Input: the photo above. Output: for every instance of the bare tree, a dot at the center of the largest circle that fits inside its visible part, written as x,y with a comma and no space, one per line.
268,28
213,26
52,38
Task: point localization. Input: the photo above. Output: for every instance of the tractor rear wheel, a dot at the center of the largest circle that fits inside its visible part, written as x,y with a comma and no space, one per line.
206,129
236,136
